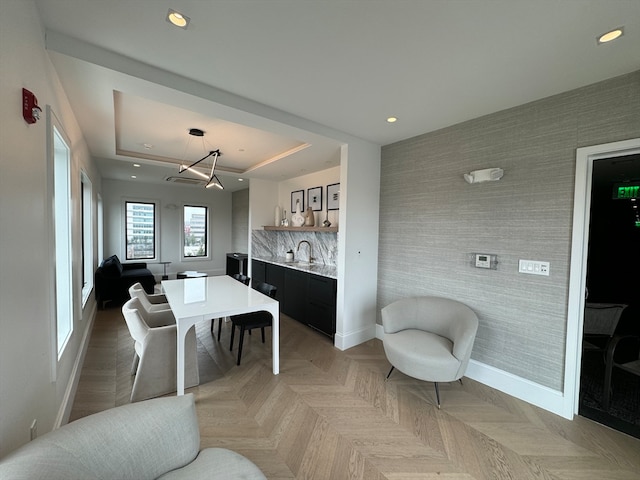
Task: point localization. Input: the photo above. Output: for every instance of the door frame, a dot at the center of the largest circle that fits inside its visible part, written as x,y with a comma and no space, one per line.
578,266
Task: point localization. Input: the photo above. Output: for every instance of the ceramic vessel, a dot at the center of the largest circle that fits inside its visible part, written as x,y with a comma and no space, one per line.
277,216
309,218
297,219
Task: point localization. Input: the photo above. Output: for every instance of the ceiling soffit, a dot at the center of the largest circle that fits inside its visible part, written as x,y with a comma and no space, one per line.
151,130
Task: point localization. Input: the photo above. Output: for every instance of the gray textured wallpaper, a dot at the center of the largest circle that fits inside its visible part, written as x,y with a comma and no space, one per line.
431,219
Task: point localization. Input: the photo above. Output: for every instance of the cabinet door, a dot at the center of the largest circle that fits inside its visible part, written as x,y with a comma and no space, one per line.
321,305
295,300
275,277
321,317
258,271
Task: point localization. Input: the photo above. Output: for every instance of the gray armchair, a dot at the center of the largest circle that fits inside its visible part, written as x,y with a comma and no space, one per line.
154,365
429,338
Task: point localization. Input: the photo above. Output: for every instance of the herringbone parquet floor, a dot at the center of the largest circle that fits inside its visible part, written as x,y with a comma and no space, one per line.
331,414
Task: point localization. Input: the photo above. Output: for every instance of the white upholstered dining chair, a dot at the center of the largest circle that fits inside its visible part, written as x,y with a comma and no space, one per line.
155,358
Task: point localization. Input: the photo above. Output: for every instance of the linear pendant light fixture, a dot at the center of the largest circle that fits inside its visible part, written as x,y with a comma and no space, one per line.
212,178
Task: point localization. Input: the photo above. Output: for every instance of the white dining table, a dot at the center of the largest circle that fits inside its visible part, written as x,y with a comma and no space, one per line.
194,300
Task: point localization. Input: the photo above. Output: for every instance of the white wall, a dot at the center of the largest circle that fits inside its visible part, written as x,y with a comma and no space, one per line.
27,352
304,182
358,244
170,200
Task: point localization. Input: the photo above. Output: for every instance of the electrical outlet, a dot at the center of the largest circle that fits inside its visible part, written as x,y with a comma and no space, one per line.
33,431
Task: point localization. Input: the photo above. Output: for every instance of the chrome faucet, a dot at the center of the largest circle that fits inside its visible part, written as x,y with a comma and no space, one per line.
311,259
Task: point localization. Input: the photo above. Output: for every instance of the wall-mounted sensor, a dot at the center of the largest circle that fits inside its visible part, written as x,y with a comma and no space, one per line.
486,175
484,260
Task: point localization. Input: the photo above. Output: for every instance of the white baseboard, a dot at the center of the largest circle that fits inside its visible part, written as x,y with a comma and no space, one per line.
351,339
70,392
546,398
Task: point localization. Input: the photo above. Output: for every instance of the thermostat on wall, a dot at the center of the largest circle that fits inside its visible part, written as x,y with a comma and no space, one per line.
484,260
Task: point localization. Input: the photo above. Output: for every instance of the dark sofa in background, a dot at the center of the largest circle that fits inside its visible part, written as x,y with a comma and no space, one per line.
113,279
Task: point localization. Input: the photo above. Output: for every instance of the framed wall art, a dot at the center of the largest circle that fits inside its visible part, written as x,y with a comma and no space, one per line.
333,196
314,198
297,196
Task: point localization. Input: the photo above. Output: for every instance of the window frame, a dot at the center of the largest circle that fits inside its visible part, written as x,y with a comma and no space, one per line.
156,230
86,207
63,301
190,258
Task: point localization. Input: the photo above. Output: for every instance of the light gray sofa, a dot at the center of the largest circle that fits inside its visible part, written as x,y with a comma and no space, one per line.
157,438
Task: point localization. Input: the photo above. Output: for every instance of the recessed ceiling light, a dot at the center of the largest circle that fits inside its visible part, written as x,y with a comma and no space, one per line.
241,179
137,165
392,119
178,19
610,35
133,176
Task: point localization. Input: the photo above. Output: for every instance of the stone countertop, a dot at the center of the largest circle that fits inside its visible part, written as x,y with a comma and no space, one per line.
330,271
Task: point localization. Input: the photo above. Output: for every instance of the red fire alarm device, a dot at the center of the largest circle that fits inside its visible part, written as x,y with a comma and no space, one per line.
30,109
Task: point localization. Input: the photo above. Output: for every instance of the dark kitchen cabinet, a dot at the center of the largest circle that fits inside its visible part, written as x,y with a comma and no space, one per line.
305,297
236,263
275,277
258,271
295,284
321,304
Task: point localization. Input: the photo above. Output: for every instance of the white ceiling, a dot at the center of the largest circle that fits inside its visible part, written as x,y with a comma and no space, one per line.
345,64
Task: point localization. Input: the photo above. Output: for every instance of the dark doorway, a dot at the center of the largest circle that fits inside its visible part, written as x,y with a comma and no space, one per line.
613,283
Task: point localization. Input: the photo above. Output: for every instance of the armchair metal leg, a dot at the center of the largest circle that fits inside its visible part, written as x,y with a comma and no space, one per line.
392,367
437,394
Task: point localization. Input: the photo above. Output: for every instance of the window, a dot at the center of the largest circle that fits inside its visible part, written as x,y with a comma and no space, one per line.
195,238
140,230
100,229
61,159
87,237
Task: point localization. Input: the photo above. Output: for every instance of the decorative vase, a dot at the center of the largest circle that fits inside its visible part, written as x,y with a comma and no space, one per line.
309,218
297,219
278,216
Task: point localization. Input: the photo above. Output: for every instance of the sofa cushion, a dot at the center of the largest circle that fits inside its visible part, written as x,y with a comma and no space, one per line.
136,272
111,267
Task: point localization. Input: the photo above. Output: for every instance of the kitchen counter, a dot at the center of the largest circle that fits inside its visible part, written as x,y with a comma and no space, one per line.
321,269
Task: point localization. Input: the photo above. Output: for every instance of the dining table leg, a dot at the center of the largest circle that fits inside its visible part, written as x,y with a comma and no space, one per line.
181,337
274,310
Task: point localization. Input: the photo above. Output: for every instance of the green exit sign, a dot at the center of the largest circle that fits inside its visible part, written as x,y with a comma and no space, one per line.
626,191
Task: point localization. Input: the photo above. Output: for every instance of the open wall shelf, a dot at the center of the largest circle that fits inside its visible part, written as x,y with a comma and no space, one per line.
301,229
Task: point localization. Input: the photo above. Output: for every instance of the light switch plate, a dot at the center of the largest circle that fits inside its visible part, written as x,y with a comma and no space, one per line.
533,267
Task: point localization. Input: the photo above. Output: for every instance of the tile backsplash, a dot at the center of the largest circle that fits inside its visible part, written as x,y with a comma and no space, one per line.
270,243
